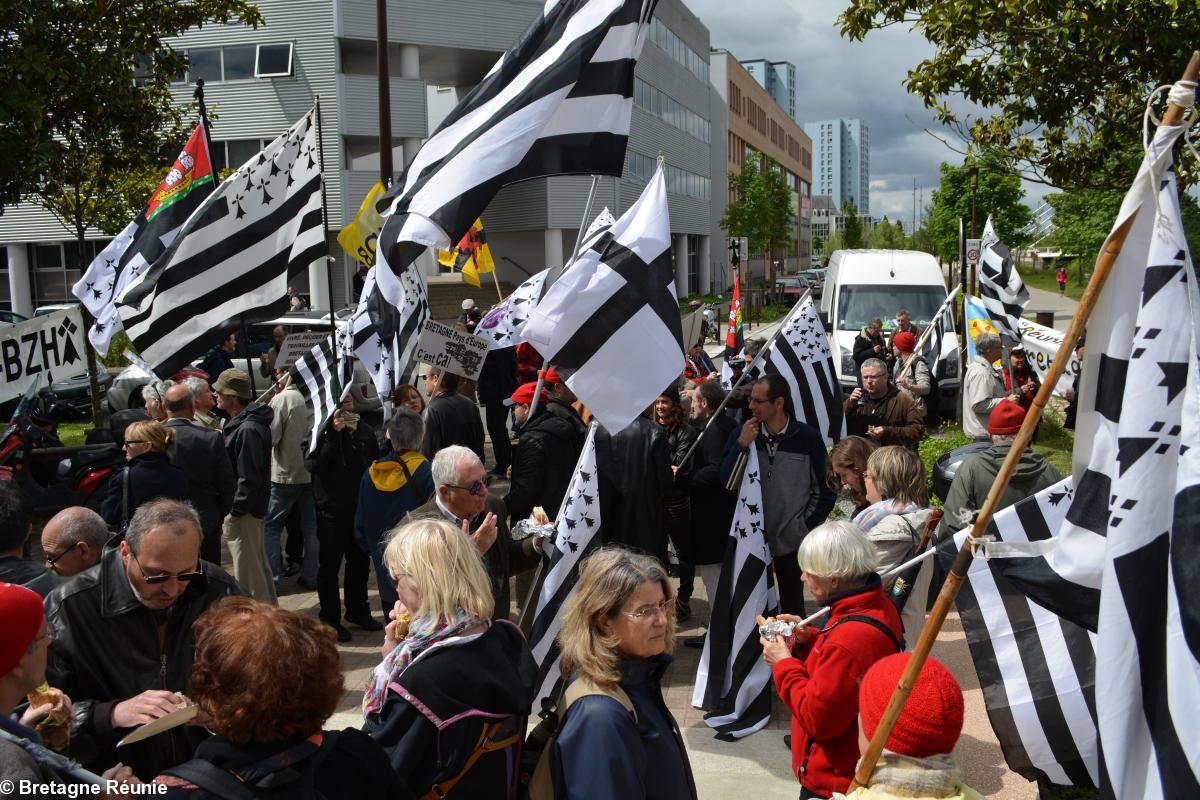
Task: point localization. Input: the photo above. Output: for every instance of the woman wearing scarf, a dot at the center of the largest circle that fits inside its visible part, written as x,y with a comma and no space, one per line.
899,508
450,700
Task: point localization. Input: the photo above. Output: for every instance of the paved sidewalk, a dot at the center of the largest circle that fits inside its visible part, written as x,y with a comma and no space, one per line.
1042,300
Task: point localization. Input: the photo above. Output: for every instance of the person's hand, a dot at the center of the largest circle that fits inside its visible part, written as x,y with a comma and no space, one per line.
390,637
121,774
145,707
1013,398
878,348
338,422
485,535
35,714
856,394
874,431
775,651
674,470
1068,395
749,433
508,472
1027,386
202,719
903,383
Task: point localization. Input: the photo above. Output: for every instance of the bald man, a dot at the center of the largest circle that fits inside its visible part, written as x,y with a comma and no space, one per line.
73,540
200,453
266,366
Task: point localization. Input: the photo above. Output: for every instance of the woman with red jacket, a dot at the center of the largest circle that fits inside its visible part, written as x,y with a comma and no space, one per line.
817,670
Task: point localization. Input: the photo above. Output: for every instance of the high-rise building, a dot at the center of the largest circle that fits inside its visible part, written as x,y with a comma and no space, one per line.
842,161
778,78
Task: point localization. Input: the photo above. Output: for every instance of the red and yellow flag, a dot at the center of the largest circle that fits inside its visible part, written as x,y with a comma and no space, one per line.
734,339
472,255
191,169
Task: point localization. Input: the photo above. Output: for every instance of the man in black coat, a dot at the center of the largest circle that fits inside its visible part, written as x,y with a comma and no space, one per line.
677,506
497,381
712,503
219,359
635,473
450,417
122,638
547,449
200,453
345,449
248,443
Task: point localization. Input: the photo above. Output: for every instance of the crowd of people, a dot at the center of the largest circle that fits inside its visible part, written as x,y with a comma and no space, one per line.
131,617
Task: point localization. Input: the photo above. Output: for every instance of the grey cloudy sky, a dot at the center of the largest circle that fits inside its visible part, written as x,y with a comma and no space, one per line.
840,78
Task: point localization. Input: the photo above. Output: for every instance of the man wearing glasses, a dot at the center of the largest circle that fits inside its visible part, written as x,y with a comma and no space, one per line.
462,497
123,639
73,540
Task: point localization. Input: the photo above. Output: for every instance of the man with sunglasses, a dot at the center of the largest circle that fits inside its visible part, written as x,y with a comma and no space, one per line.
462,497
123,639
73,540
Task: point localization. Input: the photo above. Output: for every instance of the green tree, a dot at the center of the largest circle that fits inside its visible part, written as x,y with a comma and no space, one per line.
852,230
1063,84
998,193
89,116
761,210
836,241
887,236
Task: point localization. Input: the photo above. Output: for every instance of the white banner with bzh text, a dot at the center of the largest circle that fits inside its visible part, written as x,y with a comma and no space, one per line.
47,348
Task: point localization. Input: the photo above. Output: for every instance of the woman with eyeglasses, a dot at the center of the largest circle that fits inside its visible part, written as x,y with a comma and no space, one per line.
450,700
618,740
148,473
845,467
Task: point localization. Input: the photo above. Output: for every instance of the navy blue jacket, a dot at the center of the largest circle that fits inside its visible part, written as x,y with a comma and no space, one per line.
601,754
151,475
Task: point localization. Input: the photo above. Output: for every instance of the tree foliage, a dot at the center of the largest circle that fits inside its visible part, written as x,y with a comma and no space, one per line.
1063,82
852,228
887,236
998,193
68,96
762,211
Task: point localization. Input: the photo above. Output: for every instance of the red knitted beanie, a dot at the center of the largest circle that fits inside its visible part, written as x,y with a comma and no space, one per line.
21,618
1005,419
904,341
932,718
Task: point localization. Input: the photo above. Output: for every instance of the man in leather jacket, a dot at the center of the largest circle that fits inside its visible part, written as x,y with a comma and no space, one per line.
122,644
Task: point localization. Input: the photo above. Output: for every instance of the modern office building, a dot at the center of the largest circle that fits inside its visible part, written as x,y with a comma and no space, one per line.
842,161
258,82
778,78
757,124
827,219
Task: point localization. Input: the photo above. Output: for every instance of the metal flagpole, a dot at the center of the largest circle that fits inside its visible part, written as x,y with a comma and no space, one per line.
937,616
325,226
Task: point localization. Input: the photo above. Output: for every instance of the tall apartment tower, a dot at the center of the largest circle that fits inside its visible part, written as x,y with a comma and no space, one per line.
778,78
842,161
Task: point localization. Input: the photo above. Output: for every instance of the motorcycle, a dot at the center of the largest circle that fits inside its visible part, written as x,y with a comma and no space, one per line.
711,326
50,475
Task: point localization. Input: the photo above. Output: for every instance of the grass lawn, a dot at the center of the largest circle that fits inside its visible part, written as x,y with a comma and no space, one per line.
1044,279
72,433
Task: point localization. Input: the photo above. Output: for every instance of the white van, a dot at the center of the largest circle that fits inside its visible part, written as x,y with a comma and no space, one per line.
862,284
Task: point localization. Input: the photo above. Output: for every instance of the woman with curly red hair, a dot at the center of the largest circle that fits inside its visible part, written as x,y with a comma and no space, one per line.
267,679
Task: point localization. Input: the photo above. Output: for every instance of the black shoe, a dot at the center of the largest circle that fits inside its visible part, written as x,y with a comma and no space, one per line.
343,635
696,642
364,621
291,569
683,610
787,741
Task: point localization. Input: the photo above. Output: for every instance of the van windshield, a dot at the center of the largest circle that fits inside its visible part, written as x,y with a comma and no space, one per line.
859,304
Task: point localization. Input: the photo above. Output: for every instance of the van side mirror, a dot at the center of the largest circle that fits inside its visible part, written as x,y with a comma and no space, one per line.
826,322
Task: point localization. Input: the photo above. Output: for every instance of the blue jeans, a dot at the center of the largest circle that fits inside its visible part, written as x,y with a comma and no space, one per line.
283,497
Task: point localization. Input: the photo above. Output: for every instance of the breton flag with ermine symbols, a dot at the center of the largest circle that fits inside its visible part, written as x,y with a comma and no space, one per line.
801,354
235,256
558,102
1003,292
1036,667
324,375
614,307
1137,489
733,682
390,363
943,324
577,533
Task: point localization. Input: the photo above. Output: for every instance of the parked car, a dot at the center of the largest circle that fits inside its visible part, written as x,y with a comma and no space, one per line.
816,280
789,289
71,398
42,311
11,317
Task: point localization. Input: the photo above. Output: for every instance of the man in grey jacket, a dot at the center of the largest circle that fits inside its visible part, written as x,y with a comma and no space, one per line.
796,498
291,483
200,453
983,387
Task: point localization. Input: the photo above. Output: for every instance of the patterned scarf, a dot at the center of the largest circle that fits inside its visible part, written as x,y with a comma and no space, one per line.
423,634
873,514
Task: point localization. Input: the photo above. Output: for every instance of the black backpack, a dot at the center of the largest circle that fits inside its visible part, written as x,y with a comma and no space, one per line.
288,774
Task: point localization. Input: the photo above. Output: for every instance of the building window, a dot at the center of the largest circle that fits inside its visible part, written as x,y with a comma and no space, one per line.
670,110
273,60
232,153
238,62
56,268
679,181
673,46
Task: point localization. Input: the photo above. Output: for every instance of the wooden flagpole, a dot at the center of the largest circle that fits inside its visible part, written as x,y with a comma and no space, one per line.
937,616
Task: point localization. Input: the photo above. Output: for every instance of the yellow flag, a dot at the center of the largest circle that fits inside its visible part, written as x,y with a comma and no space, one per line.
358,238
472,255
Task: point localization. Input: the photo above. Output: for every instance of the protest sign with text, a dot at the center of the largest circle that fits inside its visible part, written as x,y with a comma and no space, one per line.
444,348
48,347
296,345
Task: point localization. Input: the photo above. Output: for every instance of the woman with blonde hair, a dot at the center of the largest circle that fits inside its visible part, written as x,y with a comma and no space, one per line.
899,496
449,701
147,475
618,740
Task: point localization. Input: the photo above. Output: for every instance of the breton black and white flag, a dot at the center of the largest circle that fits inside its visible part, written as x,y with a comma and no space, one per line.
733,682
801,354
390,363
502,325
1036,667
559,102
324,376
577,533
941,326
234,257
1000,286
616,300
1137,489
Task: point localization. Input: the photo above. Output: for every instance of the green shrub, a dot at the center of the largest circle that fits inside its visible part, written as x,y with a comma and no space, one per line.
934,446
116,351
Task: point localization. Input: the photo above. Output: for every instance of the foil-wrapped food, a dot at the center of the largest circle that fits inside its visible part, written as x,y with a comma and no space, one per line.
770,627
538,524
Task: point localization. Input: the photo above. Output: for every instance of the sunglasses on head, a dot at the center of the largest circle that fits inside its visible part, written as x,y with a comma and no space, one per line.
166,576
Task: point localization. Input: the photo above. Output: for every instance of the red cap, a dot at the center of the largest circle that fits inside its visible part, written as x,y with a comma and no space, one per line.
932,718
523,396
904,341
552,377
1006,418
21,616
